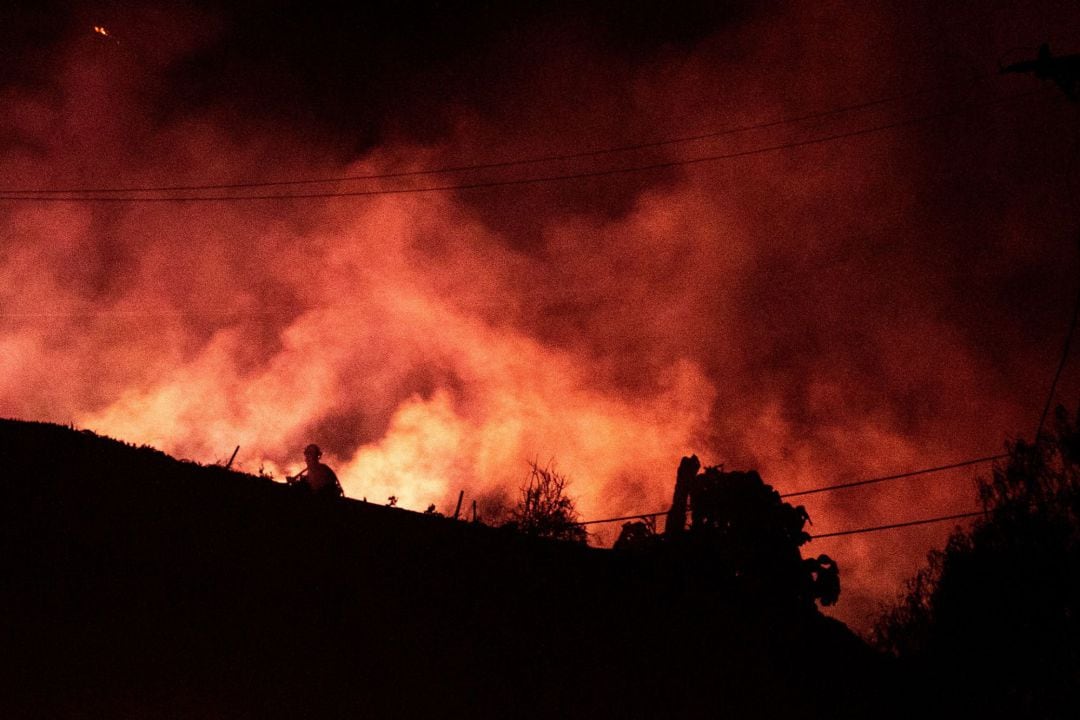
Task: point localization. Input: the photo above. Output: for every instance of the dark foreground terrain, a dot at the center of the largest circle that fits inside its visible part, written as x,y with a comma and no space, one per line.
136,585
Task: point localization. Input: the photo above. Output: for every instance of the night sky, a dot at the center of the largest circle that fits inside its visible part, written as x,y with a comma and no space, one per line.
853,252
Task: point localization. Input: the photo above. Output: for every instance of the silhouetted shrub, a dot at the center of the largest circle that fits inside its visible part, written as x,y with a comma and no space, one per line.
637,534
544,509
993,620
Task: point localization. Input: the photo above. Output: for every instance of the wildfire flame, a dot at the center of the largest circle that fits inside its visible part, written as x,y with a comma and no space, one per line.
102,31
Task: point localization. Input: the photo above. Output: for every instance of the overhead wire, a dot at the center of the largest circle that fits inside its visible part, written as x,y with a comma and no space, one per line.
828,488
504,182
89,198
1076,304
1060,367
892,526
137,314
898,476
486,165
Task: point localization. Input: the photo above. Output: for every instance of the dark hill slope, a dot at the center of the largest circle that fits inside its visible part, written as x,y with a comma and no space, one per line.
136,585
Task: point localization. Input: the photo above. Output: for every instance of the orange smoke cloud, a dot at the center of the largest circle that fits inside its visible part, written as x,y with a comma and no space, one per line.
373,321
826,314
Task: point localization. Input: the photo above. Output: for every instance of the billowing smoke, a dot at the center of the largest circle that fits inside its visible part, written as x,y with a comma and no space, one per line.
831,312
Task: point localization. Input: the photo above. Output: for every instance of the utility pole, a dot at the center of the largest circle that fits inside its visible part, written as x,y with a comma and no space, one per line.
1064,70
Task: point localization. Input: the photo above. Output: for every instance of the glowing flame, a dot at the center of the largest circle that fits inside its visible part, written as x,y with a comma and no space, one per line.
102,31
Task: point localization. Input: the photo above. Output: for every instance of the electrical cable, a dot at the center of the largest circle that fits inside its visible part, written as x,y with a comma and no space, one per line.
1076,305
827,488
1060,367
909,523
899,476
522,181
482,166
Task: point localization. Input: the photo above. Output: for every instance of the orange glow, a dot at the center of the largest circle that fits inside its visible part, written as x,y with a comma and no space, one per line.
808,314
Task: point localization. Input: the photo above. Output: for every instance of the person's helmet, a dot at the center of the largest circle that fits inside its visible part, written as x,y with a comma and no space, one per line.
312,449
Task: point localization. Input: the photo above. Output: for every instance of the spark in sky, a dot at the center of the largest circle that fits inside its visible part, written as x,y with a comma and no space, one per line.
104,32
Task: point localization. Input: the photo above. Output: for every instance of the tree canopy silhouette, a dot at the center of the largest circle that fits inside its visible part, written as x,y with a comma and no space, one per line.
993,621
743,535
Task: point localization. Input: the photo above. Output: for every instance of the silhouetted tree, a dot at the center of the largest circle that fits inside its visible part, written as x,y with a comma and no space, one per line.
993,621
742,535
545,510
756,537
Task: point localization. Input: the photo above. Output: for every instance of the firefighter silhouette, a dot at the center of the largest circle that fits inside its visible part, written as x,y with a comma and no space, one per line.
317,477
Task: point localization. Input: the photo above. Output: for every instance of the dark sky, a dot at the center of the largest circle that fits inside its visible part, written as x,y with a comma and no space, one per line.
877,279
358,71
348,73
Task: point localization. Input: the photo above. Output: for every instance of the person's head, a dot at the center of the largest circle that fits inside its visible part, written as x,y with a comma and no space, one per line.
312,453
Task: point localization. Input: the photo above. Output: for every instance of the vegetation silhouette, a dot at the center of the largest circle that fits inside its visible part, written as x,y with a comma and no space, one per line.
544,509
742,536
991,626
136,585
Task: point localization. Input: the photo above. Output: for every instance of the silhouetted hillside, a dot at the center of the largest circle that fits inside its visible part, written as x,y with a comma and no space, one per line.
140,586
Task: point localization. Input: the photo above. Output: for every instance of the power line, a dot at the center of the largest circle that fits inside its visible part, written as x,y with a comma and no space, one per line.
481,166
625,517
522,181
898,476
892,526
875,528
1076,307
1060,367
136,314
826,488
